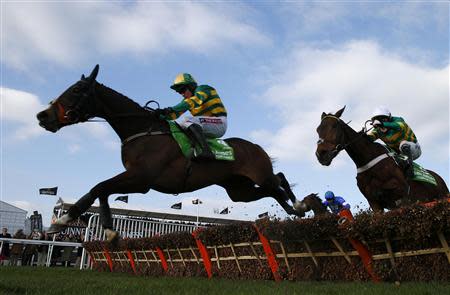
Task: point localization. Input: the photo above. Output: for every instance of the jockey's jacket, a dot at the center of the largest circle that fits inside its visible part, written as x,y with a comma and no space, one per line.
336,205
205,102
397,131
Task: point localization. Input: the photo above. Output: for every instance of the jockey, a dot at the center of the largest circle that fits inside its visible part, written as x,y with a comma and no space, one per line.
335,203
396,134
209,116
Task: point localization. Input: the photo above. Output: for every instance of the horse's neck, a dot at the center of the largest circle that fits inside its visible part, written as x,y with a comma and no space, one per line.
316,205
125,116
361,150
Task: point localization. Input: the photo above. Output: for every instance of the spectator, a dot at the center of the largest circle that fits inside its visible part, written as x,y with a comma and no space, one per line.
31,250
56,253
67,250
43,250
17,249
4,254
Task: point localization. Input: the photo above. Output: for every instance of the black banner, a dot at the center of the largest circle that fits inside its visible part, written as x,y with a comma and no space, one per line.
176,206
122,198
48,191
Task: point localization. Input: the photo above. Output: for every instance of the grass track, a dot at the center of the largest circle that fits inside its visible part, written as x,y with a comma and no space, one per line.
32,280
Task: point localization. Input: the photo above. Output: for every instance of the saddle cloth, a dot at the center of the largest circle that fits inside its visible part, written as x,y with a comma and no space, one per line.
420,173
221,150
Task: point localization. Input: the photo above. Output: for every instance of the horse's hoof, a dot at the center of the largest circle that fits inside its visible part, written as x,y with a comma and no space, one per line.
56,228
112,236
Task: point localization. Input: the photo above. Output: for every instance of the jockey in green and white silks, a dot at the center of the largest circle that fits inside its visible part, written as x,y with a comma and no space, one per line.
396,134
209,116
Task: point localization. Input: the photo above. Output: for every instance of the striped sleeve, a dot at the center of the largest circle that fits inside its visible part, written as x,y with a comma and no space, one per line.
178,110
394,125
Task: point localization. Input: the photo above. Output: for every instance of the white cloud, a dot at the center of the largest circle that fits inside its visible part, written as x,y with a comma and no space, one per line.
64,33
21,108
360,75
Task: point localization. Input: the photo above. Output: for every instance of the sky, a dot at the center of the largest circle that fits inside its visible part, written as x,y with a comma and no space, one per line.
276,65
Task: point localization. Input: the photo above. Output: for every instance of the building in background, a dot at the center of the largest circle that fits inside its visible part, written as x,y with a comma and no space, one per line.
12,217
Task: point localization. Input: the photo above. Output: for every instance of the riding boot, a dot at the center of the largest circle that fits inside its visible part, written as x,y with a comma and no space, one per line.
197,132
409,171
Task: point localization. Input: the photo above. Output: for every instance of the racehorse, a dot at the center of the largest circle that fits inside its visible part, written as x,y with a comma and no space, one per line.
379,178
311,202
153,159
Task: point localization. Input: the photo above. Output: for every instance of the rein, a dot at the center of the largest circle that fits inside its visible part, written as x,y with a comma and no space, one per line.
340,147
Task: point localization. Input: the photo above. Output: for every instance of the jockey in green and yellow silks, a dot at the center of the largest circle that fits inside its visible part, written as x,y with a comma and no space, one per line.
396,134
209,116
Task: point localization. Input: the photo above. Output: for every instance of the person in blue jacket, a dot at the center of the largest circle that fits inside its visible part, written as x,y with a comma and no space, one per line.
335,203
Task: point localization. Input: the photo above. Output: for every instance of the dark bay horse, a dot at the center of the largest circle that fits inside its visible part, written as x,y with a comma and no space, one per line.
311,202
151,157
379,178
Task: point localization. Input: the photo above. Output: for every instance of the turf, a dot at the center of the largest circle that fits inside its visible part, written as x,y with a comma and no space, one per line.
32,280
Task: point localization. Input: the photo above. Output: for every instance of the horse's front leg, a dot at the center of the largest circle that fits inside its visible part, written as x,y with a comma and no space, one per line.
126,182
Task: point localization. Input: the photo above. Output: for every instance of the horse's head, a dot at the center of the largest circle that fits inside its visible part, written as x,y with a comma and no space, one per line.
331,137
310,202
73,106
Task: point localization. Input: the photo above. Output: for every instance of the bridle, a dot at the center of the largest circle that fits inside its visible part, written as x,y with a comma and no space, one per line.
339,147
81,109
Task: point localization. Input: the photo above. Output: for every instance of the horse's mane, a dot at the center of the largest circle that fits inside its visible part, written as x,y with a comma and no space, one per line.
117,95
314,196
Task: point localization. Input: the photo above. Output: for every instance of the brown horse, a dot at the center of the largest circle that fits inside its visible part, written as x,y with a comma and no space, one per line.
152,158
311,202
379,178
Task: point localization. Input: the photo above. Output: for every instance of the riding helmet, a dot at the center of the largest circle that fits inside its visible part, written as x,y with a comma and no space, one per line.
380,112
329,195
182,80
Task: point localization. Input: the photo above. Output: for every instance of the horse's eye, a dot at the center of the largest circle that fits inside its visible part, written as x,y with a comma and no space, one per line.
320,141
76,89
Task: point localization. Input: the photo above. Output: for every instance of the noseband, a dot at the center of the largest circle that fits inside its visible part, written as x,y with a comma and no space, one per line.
339,147
78,111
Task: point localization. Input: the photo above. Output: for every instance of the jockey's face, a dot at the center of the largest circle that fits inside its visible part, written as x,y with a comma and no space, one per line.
185,92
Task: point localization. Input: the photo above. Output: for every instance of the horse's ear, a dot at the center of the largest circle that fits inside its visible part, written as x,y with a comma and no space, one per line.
83,77
339,113
94,73
323,115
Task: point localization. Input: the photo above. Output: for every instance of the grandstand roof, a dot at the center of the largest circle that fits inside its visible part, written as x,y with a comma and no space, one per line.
157,215
6,207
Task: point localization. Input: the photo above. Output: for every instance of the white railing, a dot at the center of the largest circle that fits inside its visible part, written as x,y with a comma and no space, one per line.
130,228
50,245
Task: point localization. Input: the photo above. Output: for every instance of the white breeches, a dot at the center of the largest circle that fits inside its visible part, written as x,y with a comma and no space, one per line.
212,126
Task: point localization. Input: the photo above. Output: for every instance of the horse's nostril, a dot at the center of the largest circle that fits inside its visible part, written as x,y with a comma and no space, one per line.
42,116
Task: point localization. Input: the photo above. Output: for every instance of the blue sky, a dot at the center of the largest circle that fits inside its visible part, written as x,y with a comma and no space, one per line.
277,66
